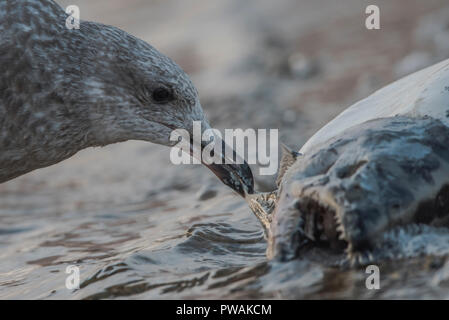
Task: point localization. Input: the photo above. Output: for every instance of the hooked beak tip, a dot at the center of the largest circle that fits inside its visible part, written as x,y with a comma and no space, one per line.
236,176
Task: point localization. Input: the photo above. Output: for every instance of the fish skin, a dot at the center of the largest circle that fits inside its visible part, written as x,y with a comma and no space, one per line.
377,176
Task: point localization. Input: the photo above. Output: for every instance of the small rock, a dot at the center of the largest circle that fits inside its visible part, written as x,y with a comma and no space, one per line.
289,116
433,31
301,66
206,193
413,62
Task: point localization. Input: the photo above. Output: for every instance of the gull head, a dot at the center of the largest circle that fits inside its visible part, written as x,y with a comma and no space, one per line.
135,92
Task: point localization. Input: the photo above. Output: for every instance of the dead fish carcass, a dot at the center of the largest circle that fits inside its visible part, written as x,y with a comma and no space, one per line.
381,164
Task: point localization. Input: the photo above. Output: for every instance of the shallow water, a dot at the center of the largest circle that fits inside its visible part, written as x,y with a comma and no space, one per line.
169,244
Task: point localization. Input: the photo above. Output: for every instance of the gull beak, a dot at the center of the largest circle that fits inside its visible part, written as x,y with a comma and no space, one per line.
237,176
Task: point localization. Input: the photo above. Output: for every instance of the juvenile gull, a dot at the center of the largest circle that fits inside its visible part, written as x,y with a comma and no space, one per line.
63,90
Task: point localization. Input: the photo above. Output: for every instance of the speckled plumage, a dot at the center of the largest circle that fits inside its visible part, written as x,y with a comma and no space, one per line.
289,157
62,90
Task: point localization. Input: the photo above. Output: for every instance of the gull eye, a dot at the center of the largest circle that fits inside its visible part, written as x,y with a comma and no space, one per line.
162,95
